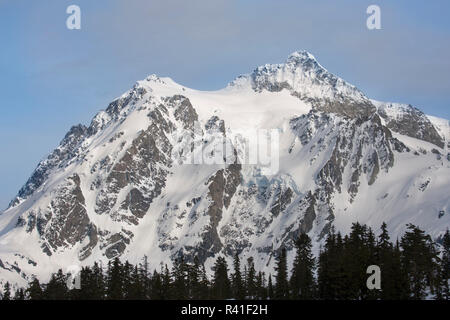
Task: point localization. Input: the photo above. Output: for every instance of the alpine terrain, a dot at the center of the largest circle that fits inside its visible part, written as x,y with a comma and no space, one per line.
142,178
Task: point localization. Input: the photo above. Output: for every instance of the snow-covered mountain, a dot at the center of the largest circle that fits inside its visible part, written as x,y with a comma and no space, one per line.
124,185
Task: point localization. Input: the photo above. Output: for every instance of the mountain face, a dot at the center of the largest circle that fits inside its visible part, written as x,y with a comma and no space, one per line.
143,177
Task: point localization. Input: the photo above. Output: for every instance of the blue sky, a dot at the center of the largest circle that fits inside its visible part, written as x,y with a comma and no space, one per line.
52,78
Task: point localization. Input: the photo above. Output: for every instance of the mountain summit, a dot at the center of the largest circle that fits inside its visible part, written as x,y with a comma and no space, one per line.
124,186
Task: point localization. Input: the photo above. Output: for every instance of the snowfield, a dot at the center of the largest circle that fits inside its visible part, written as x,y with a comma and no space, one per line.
113,189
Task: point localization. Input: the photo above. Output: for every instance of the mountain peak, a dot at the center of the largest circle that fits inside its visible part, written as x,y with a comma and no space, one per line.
127,186
297,62
301,56
306,79
157,79
305,61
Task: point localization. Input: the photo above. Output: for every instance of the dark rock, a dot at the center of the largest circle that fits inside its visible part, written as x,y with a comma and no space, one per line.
69,223
414,123
216,124
184,111
283,200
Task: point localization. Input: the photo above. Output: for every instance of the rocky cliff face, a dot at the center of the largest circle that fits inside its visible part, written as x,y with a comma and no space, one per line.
409,121
306,79
143,178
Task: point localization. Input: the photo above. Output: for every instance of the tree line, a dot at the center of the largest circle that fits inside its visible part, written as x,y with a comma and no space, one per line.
413,267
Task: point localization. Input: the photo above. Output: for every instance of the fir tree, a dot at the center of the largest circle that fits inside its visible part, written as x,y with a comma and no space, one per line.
250,281
193,279
136,290
419,260
56,288
399,275
371,251
410,269
385,260
331,274
221,283
281,286
204,284
237,283
145,276
114,286
97,282
85,291
179,276
7,291
261,291
270,291
156,291
445,266
357,260
34,291
303,284
166,284
19,295
127,281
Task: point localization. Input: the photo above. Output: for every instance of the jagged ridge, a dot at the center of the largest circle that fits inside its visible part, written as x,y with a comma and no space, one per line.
116,188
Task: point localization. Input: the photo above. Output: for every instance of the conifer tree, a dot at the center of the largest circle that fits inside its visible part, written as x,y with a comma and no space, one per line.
85,291
332,274
401,281
127,281
156,291
281,286
250,281
261,290
357,260
34,291
19,295
270,291
114,285
445,265
236,279
179,276
302,282
410,269
7,291
98,282
204,284
221,284
385,260
244,279
91,284
166,284
419,259
56,288
193,279
384,239
145,276
136,288
371,252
